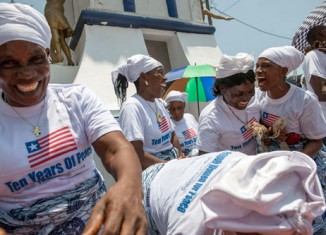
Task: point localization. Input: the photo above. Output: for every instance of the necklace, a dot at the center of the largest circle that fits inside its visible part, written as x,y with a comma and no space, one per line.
36,130
157,114
244,123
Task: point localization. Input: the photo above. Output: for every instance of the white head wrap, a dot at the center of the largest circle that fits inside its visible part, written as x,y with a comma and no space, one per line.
230,65
22,22
285,56
265,193
176,96
135,65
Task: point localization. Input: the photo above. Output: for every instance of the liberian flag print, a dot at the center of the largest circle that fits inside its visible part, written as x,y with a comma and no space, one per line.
164,125
247,132
51,146
188,134
269,119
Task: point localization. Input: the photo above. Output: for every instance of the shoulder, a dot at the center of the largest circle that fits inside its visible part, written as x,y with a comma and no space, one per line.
303,96
132,103
70,89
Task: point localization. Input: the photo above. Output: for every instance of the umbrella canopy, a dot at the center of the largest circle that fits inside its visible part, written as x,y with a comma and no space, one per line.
316,17
196,80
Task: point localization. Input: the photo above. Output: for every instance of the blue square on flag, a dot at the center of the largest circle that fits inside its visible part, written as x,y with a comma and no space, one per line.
32,146
243,129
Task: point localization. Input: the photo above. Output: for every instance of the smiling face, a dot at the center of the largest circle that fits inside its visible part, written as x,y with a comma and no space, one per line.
238,96
156,83
24,72
176,109
269,75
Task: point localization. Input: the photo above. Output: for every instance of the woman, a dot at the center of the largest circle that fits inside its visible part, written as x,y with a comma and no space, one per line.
49,183
233,192
225,123
186,125
143,117
305,122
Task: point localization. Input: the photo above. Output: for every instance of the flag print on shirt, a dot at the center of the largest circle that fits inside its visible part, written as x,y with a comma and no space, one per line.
269,119
188,134
247,132
50,146
164,125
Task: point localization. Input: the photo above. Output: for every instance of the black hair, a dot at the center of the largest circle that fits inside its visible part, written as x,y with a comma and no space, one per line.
312,35
120,88
233,80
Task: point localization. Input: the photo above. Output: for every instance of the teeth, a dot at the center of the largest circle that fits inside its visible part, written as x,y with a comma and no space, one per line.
27,88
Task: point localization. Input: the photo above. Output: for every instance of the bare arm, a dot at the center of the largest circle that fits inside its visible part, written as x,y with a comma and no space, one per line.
175,142
319,86
312,147
120,210
2,232
146,159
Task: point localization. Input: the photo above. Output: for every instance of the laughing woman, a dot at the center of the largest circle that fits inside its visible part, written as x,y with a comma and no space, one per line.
49,182
143,117
225,123
305,122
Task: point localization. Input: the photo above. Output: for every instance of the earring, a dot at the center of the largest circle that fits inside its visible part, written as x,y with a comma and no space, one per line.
146,83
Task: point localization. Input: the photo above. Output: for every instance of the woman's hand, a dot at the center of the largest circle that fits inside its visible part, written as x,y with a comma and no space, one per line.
120,211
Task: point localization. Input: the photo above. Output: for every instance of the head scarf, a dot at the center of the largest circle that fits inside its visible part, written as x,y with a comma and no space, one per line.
285,56
22,22
230,65
176,96
265,193
135,65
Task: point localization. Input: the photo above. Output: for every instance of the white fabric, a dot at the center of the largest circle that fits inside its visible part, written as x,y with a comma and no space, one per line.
186,131
176,96
315,64
285,56
22,22
299,108
138,122
230,65
78,118
183,200
219,129
135,65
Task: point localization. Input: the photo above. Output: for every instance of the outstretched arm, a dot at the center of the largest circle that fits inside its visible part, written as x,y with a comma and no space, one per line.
120,210
146,159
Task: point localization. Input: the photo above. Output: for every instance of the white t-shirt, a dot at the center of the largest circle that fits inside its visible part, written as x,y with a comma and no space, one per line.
183,193
173,204
138,122
314,64
61,158
219,129
299,108
186,131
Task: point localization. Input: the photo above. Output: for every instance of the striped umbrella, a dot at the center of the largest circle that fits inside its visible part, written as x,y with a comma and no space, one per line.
316,17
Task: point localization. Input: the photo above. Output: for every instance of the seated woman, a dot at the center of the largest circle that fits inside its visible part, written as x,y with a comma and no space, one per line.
225,123
186,125
143,117
232,193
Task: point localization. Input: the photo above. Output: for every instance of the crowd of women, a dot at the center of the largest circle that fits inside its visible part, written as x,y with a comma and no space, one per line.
50,184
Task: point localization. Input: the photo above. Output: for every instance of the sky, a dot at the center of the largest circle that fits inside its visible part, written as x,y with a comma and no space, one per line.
244,34
258,24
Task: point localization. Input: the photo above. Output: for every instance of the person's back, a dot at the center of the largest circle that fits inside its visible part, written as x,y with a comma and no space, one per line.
314,65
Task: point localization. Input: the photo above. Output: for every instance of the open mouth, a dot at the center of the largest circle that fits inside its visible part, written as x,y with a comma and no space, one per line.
27,87
261,81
